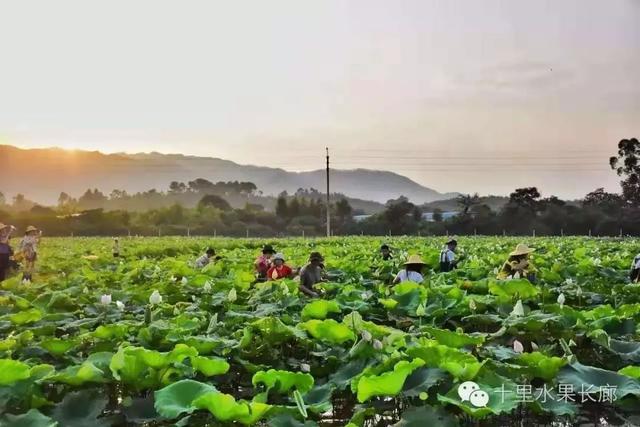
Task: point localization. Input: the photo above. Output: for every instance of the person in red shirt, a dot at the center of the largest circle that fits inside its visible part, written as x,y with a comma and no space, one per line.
279,270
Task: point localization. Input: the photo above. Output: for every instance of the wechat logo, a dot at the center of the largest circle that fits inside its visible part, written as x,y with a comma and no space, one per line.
470,391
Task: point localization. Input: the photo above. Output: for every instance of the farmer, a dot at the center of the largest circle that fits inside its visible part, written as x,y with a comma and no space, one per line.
412,271
116,248
263,262
279,270
635,269
29,251
5,250
448,260
385,252
205,259
311,274
518,265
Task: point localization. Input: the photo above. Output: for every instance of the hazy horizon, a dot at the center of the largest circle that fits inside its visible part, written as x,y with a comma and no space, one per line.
458,96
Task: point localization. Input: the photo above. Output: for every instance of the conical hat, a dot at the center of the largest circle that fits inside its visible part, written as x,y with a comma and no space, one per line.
414,259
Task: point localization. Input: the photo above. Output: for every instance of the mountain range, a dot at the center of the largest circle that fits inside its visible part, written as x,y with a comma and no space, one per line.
41,174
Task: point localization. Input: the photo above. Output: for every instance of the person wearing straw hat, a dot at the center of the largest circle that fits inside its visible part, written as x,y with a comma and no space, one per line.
279,270
206,258
448,260
519,265
6,252
262,264
311,274
29,250
412,271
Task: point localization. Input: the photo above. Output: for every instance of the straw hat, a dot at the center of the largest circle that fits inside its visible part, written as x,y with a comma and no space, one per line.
279,256
414,259
31,228
521,249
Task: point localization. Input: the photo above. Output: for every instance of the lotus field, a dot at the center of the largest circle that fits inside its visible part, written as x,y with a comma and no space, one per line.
148,340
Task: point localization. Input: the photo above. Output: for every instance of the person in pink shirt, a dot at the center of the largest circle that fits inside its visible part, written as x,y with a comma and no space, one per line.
264,262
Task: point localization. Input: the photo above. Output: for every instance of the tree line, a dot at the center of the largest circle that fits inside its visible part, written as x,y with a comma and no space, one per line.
200,207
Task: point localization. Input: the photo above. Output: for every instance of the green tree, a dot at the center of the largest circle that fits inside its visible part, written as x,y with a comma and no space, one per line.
467,202
627,165
214,201
437,215
282,208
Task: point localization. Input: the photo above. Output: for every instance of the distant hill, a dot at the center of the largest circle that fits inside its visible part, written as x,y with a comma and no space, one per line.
41,174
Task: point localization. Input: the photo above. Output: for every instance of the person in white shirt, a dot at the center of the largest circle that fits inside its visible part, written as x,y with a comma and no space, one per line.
412,271
448,260
635,269
205,259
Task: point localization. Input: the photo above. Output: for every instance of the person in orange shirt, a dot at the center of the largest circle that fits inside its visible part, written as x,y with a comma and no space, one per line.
279,270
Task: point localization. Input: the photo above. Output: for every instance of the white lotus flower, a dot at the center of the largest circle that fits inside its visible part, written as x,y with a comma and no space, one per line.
304,367
518,309
569,281
518,347
561,300
105,299
155,298
366,335
472,305
85,290
120,305
184,281
421,311
207,287
534,346
233,295
176,311
579,291
516,275
377,345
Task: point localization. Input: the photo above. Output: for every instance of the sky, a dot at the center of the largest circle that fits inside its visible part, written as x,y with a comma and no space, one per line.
459,95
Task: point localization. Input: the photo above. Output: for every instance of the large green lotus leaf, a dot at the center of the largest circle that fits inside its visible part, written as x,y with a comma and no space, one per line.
273,330
534,322
541,365
421,380
225,408
110,332
631,371
360,417
78,375
387,384
592,379
33,418
426,416
509,289
502,396
209,345
27,316
318,399
140,410
127,365
57,347
284,381
554,404
181,352
628,351
12,371
458,363
81,409
453,339
177,398
210,366
319,309
329,331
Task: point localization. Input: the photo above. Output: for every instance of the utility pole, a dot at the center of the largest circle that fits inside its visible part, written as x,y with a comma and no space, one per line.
328,199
